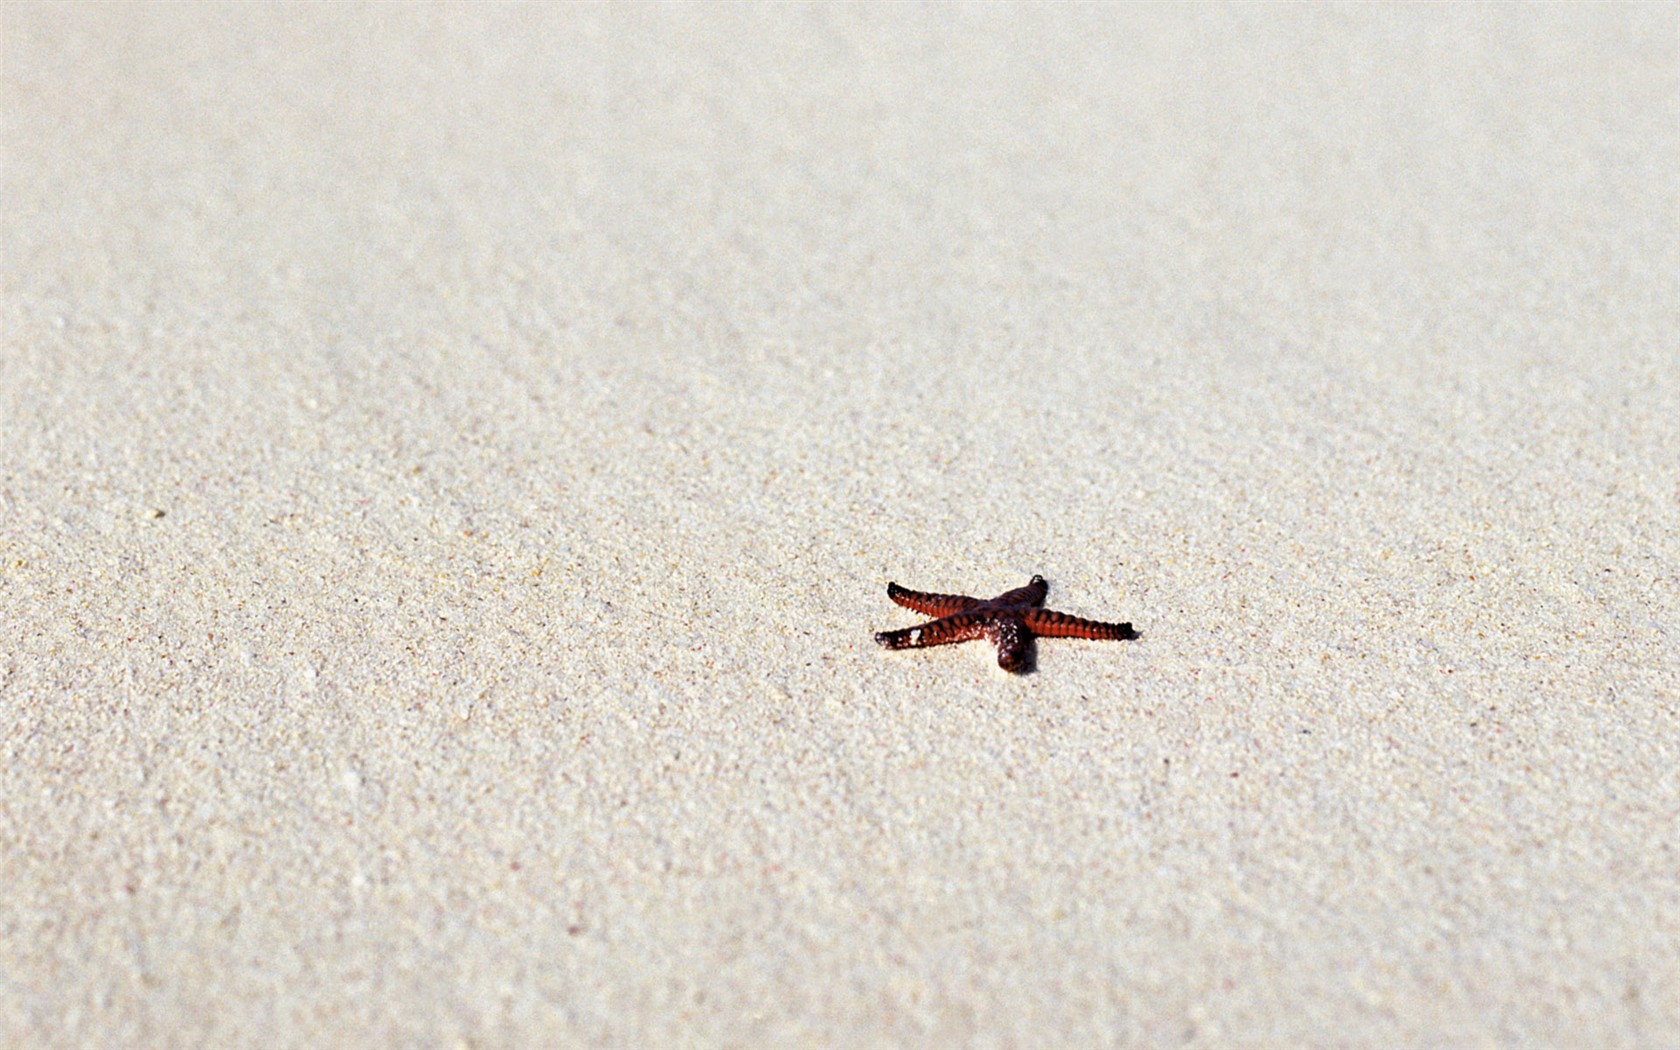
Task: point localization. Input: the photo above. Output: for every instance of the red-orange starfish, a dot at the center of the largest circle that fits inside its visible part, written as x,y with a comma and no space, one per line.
1009,621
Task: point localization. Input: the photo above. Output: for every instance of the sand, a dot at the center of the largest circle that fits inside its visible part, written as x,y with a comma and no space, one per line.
452,460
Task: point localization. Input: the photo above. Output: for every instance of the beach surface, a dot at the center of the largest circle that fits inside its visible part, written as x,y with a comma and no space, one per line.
452,460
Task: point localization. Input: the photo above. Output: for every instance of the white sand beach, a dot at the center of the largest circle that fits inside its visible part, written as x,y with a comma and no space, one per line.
452,460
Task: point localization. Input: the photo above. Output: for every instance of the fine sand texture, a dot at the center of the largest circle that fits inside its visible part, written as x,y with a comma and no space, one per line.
452,460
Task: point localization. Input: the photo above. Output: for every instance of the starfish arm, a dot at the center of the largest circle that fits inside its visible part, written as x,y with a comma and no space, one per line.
1013,642
958,628
1032,594
930,604
1060,625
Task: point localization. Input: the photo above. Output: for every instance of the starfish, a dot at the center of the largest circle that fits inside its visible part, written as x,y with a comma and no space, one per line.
1010,621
